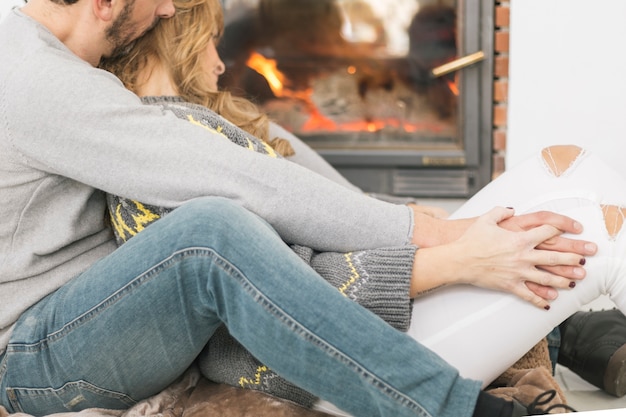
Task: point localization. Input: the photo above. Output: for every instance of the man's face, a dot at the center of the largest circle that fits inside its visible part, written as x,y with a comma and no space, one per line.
135,19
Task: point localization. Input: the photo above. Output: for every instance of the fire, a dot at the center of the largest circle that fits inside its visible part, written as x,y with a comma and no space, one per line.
268,68
275,78
319,122
454,85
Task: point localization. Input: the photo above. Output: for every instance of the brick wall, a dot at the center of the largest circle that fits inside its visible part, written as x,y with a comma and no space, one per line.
500,84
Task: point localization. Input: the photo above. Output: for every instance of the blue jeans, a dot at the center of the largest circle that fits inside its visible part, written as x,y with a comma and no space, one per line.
131,324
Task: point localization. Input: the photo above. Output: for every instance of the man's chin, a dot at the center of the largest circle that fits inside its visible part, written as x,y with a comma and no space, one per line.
120,51
123,50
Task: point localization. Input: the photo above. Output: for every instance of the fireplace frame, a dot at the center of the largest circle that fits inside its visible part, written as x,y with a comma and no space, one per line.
439,170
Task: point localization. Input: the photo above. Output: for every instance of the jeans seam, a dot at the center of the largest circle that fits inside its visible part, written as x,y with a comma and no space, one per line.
110,300
3,367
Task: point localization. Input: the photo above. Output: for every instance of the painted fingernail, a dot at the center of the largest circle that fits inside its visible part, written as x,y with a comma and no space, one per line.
510,208
582,261
572,284
546,307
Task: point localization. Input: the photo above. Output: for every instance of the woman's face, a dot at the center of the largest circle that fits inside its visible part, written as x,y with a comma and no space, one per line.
212,64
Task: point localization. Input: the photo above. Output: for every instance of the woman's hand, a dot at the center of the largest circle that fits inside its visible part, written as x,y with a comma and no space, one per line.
557,243
488,255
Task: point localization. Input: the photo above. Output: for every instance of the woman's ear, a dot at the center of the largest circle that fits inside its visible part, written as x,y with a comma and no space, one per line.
103,9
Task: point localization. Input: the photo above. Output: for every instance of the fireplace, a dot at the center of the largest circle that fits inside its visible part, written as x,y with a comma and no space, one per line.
396,94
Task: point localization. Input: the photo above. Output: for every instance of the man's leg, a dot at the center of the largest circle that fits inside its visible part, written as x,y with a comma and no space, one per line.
130,325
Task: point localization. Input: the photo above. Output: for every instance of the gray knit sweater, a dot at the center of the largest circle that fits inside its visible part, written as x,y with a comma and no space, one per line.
69,130
378,279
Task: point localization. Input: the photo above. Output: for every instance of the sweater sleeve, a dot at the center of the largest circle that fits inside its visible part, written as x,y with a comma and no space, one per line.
307,157
377,279
150,155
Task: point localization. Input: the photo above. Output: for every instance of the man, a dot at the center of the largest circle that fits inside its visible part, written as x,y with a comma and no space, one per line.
85,325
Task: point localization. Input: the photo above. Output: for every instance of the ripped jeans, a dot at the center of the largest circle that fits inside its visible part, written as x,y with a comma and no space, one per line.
135,321
496,329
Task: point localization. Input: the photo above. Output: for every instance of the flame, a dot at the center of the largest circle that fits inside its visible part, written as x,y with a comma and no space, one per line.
275,78
268,68
454,85
318,121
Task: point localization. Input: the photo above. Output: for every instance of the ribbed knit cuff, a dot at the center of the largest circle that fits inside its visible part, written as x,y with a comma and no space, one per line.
377,279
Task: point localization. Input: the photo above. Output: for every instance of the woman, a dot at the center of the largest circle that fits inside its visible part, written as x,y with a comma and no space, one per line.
179,72
184,68
357,275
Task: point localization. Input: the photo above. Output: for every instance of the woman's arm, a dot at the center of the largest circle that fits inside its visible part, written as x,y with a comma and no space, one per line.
377,279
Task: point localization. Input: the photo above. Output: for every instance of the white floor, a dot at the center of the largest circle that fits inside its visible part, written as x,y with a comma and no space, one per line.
580,394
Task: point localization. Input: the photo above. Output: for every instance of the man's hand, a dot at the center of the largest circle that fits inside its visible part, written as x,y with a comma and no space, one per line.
530,263
558,243
433,211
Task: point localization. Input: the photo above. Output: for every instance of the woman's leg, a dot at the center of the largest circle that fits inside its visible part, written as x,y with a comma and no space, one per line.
482,332
132,323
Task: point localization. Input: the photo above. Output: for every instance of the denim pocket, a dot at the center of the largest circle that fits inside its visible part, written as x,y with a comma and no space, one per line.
73,396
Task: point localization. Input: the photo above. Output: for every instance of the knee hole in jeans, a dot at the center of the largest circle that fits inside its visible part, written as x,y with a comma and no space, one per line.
559,158
613,219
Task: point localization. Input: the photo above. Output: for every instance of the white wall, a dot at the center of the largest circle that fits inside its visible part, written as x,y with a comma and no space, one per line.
567,77
6,5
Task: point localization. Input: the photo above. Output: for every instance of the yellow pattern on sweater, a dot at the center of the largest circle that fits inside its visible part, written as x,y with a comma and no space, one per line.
245,382
354,276
141,215
270,151
141,219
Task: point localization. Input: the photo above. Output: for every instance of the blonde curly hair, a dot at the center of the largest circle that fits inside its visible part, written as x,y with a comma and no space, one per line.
178,43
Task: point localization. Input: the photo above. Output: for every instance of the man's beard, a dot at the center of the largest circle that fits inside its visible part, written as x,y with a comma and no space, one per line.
121,32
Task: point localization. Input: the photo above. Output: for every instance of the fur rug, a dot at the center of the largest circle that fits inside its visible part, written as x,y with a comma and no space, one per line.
528,378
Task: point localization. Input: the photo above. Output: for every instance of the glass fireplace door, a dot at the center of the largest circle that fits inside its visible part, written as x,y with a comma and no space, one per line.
395,94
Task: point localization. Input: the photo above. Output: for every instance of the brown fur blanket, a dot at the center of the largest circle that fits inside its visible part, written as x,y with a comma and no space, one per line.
195,396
